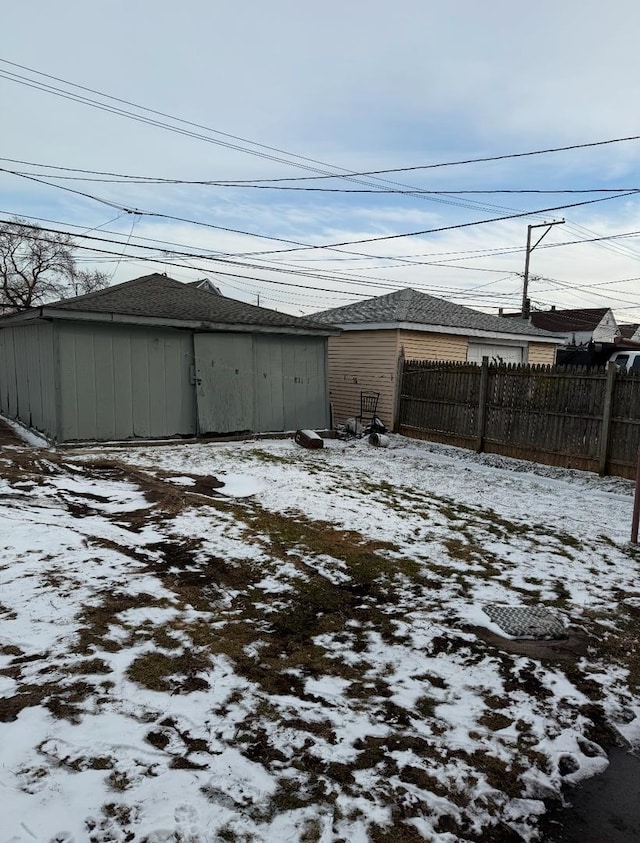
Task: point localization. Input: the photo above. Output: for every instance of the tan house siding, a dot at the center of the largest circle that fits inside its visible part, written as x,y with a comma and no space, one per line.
368,360
541,354
363,360
421,345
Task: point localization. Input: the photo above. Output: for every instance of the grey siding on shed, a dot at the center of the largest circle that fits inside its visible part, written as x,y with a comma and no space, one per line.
225,389
27,379
122,382
78,381
291,385
261,382
306,390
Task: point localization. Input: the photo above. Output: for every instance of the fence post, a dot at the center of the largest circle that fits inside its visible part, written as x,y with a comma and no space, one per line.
482,403
606,417
395,421
635,518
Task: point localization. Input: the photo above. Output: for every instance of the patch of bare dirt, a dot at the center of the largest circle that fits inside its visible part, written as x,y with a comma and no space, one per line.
7,436
571,648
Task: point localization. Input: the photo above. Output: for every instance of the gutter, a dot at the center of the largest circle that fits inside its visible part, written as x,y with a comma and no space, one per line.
455,330
49,313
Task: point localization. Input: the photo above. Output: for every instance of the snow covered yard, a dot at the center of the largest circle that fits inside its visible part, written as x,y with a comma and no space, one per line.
301,653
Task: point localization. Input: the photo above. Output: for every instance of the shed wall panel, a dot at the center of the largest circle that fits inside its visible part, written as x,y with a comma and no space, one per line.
31,352
85,381
123,395
48,379
261,382
22,378
269,384
140,424
104,385
120,382
361,361
8,383
86,376
27,384
159,395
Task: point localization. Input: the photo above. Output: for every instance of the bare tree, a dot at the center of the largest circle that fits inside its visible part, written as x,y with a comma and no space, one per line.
86,281
38,266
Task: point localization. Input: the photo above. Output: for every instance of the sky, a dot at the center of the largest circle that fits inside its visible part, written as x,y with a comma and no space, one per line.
251,91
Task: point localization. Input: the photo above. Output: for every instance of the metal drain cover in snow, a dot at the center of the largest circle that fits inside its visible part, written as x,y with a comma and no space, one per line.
526,621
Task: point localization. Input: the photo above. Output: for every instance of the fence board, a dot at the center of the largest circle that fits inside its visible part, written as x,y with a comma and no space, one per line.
548,414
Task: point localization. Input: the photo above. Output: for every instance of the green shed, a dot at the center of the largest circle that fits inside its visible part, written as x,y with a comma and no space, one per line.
155,358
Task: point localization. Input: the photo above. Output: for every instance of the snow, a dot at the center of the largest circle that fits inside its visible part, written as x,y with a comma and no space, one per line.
145,688
239,485
28,435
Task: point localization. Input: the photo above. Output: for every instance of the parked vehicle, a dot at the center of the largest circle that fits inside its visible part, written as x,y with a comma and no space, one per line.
627,361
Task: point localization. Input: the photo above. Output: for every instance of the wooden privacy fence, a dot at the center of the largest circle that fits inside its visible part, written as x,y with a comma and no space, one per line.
573,417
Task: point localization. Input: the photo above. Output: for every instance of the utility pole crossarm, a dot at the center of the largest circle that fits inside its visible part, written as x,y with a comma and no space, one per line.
525,310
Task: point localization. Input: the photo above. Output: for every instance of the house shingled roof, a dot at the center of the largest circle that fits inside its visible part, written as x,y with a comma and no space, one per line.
413,307
580,319
161,297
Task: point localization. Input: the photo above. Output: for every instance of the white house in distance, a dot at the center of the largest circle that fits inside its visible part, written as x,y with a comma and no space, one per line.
408,325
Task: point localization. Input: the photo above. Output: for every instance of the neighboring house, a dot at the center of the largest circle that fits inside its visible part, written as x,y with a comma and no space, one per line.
578,327
155,358
630,332
206,284
379,332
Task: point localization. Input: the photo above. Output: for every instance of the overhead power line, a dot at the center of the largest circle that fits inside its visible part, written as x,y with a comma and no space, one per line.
337,171
325,169
281,267
303,158
164,261
107,177
586,291
386,285
325,172
297,245
460,162
439,229
164,257
34,83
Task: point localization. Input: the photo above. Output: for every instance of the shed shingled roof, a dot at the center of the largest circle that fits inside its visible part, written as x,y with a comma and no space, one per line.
411,306
161,297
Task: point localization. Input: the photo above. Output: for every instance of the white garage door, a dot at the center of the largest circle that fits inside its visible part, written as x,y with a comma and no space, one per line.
495,353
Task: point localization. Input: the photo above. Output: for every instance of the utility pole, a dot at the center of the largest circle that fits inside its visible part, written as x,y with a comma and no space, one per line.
526,304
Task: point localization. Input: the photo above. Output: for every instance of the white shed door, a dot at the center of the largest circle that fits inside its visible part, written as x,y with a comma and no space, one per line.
495,353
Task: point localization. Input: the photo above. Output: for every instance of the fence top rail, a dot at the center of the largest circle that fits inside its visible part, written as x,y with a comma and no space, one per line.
519,368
